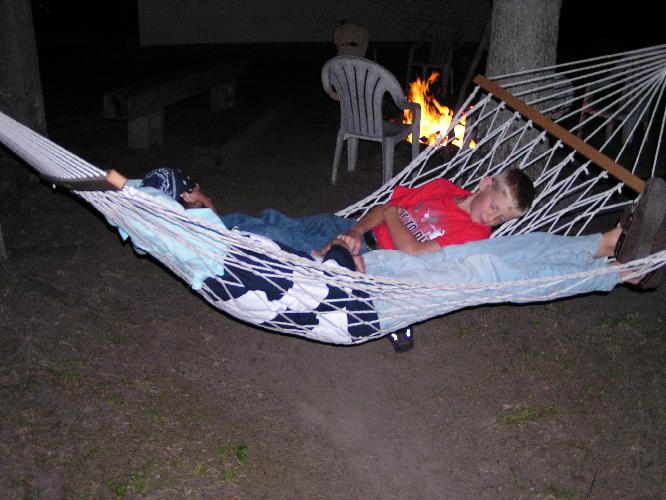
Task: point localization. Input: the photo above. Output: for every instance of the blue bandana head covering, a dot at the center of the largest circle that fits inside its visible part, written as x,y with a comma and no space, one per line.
171,181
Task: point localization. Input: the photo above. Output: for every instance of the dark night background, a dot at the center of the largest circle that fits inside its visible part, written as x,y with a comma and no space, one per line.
87,48
104,38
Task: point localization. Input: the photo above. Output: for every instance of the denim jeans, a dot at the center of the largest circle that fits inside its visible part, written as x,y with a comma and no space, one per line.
507,258
301,233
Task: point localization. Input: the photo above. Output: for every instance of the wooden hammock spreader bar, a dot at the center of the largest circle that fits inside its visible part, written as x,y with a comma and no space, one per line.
112,181
592,154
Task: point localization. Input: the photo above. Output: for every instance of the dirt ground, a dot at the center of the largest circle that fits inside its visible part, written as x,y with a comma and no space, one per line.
117,381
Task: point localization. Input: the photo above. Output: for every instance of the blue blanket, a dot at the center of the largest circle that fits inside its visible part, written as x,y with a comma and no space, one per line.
324,311
300,303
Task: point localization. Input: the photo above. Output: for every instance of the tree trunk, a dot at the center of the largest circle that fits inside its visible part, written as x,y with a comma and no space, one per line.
20,83
523,35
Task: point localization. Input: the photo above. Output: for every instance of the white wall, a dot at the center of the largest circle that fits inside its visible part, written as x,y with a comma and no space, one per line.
174,22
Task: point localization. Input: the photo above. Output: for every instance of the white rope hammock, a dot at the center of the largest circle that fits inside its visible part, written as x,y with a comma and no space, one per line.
620,95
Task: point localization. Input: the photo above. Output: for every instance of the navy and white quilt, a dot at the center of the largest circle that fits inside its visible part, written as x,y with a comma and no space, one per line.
280,297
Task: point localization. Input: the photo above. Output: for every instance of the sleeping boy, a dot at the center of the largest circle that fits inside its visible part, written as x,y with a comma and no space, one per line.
415,220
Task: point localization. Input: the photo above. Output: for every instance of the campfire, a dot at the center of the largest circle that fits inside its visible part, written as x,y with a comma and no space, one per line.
435,117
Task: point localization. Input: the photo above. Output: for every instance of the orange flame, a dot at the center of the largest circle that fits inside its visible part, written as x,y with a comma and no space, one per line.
435,117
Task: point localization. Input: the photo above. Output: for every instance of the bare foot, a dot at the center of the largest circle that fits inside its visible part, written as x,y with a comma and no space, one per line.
606,247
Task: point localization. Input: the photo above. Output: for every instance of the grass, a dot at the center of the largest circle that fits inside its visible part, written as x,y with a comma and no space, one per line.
555,492
197,469
157,416
139,482
628,322
68,375
117,487
121,488
594,390
229,475
26,484
182,475
241,454
116,399
64,373
238,452
527,414
466,330
145,386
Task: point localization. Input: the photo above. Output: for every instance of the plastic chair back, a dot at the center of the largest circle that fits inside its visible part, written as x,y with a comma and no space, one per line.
361,85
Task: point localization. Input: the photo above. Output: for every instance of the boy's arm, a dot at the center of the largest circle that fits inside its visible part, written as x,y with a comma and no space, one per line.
199,197
354,236
403,240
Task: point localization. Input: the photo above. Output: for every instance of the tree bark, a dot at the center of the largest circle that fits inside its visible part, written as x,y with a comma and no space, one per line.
523,35
20,82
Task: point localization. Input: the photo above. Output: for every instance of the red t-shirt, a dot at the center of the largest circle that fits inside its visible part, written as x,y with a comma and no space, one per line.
430,212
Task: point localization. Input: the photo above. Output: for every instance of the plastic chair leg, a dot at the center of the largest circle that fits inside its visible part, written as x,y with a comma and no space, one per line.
416,147
610,126
387,156
336,157
579,132
352,153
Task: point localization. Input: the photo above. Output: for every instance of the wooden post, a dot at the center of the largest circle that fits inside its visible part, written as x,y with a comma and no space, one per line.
222,97
592,154
146,131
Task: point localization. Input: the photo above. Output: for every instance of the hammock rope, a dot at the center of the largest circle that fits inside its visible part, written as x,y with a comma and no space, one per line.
624,90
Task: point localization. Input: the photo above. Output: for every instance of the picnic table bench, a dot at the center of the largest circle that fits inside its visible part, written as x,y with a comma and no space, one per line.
142,104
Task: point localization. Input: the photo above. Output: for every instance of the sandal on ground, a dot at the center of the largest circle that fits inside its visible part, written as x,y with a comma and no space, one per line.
402,340
643,227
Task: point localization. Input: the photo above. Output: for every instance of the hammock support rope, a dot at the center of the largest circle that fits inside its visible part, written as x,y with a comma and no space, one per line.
571,192
592,154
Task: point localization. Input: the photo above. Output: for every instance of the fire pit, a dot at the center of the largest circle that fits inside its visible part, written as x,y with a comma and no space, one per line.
435,117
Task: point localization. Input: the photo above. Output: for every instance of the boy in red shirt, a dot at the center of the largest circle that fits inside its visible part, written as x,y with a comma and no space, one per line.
439,213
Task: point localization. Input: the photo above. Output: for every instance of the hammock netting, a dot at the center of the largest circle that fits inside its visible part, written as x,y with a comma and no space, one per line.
615,103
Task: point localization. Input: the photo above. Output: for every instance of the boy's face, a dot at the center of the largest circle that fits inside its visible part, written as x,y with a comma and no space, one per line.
491,206
190,198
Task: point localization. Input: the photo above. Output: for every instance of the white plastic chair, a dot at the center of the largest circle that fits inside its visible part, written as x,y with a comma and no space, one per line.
361,86
435,51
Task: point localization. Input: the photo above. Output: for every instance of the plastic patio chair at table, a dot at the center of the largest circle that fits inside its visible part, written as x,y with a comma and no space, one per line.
609,103
361,86
434,51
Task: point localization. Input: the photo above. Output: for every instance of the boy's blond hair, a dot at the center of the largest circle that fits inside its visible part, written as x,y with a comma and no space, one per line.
518,186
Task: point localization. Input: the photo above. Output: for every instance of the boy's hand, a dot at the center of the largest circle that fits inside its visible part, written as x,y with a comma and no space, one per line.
360,264
197,199
351,240
321,252
358,260
345,243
